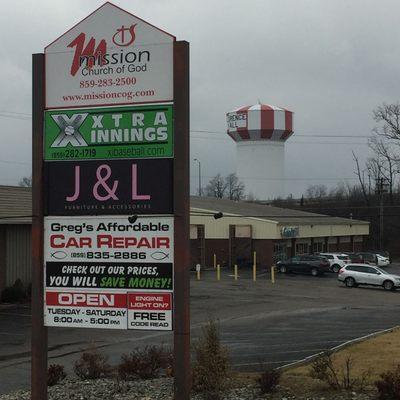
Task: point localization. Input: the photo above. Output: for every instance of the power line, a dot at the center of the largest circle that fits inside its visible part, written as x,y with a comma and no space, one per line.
14,162
295,134
286,179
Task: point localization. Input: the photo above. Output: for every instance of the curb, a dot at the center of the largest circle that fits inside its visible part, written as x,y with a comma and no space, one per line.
337,348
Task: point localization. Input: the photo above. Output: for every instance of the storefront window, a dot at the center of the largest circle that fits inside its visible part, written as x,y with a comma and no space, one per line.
301,248
280,251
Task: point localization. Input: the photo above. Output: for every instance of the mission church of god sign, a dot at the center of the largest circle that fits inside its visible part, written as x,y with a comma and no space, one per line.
111,57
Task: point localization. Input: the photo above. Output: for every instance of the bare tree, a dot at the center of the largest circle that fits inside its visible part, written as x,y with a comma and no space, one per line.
316,191
26,181
361,179
388,116
384,164
234,188
339,192
216,187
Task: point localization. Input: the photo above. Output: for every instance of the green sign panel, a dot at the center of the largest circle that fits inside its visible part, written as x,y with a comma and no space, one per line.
105,133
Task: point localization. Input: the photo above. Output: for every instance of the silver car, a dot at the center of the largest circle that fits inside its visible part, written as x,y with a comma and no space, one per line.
353,275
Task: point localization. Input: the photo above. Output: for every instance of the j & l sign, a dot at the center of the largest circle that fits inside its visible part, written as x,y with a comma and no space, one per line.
109,187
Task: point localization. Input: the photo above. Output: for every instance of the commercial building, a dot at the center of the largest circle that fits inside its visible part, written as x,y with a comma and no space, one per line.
241,229
273,233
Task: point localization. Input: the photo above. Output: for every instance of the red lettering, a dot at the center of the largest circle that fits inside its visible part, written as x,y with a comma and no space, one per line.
54,241
88,52
163,242
104,240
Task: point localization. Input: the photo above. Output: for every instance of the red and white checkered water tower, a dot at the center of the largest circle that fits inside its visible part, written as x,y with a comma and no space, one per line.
260,132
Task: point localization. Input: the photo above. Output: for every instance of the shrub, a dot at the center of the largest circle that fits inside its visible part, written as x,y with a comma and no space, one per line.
145,364
323,368
269,380
92,365
14,294
55,374
389,385
211,368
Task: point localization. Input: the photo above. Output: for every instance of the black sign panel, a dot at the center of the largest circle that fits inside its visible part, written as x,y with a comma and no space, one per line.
109,275
109,187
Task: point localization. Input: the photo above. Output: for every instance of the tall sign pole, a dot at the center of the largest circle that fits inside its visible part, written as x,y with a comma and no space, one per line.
39,331
111,185
181,205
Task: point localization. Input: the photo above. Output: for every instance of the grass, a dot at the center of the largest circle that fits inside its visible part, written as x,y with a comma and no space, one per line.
376,355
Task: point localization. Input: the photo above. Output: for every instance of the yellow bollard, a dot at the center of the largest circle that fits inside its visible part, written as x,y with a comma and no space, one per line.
215,261
254,266
273,274
198,269
218,272
235,269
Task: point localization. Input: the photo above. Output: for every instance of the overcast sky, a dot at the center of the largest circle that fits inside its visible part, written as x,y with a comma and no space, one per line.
330,61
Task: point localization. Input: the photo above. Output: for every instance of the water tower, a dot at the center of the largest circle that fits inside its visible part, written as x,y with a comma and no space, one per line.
260,133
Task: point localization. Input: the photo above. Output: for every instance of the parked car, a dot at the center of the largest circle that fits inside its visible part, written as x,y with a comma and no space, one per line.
368,258
353,275
336,260
382,261
383,253
306,264
355,258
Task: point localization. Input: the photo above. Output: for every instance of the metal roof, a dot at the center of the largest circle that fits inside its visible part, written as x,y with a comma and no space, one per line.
16,208
282,216
15,205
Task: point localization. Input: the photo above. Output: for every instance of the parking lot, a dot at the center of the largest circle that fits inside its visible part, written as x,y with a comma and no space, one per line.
260,322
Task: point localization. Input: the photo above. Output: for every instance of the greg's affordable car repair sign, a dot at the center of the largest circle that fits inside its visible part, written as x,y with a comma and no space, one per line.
93,262
109,310
111,57
86,309
150,311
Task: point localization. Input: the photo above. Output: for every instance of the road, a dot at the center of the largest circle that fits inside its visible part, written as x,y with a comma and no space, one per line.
261,323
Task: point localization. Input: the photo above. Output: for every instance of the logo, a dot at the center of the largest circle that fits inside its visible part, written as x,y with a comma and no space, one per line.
290,231
88,53
69,133
122,38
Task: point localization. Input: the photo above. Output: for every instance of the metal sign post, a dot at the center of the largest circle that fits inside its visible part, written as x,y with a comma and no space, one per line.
39,331
182,371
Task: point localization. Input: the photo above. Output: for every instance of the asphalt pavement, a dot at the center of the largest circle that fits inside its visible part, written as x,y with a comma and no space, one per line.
261,323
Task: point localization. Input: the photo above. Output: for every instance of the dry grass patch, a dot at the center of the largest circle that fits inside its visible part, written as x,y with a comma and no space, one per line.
376,355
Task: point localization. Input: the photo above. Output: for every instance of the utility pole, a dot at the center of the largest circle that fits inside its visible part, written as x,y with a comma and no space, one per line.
199,175
381,187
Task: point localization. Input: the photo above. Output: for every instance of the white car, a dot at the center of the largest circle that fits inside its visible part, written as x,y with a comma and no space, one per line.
353,275
336,260
382,261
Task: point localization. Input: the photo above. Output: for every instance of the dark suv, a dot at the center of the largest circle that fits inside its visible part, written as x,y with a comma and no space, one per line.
305,264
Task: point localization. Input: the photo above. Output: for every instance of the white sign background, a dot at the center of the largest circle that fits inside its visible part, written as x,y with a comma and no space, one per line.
64,231
139,69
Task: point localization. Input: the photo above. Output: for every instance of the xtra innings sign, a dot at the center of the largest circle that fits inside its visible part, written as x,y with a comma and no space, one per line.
104,133
111,57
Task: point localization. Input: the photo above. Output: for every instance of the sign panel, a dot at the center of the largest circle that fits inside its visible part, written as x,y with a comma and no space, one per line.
109,310
111,239
107,275
86,309
109,187
150,311
109,58
105,133
289,231
236,121
92,262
